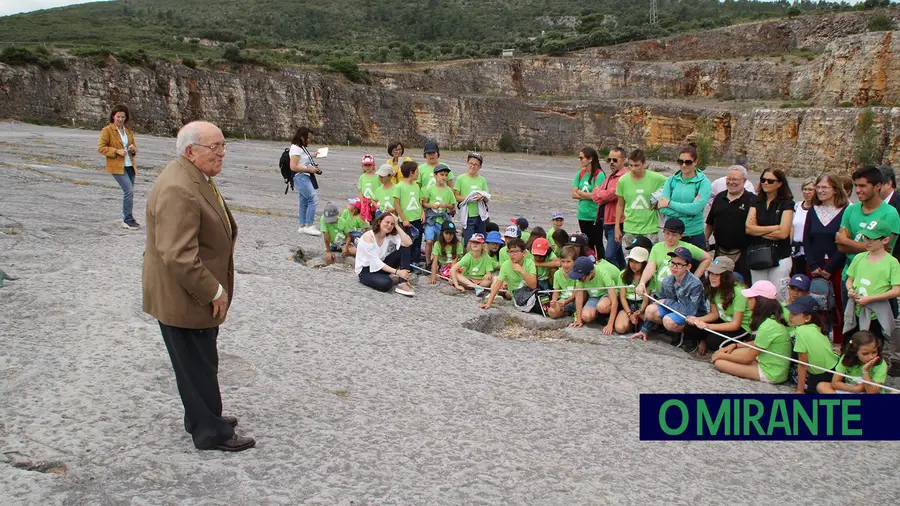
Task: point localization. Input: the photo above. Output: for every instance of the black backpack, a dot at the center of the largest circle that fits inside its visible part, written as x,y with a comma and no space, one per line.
284,163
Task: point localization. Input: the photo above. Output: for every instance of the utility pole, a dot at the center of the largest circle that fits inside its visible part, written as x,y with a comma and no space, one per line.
654,13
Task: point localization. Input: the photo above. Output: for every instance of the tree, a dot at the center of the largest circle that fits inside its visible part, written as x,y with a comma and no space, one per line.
867,150
704,140
232,53
406,52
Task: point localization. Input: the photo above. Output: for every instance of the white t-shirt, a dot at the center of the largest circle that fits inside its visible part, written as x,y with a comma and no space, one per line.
123,134
371,255
305,161
798,223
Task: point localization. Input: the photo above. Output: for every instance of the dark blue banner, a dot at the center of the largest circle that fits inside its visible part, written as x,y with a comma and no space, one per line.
778,417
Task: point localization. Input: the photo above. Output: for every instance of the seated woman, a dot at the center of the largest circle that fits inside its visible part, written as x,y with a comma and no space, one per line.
681,291
771,335
383,256
728,313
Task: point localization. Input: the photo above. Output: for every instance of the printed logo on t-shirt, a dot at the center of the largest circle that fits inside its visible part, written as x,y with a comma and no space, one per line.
368,193
413,205
640,202
663,273
868,226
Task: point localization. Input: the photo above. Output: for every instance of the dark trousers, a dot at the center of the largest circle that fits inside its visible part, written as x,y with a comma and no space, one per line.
594,233
417,242
195,360
381,280
614,254
713,342
474,225
698,240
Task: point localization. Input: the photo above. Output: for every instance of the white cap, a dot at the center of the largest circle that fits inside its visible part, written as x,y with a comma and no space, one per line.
385,170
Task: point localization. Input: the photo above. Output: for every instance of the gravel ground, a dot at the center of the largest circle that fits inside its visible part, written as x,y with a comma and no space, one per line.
355,397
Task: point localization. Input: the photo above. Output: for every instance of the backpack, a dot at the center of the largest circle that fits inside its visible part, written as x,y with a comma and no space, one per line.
284,163
821,290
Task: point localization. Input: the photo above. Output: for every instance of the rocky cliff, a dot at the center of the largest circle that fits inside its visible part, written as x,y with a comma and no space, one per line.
625,95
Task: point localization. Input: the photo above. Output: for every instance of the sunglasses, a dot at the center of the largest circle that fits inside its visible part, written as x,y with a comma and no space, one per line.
767,180
685,162
612,160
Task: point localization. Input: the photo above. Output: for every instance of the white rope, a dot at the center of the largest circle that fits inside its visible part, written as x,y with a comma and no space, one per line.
789,359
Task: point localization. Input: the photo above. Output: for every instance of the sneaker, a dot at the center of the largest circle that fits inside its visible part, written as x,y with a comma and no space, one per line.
404,289
311,230
131,225
480,291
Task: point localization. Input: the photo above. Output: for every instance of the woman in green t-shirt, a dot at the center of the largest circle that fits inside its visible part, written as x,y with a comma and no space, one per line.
771,335
589,175
728,312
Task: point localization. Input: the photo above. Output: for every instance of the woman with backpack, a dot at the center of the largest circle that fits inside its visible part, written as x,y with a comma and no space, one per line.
304,169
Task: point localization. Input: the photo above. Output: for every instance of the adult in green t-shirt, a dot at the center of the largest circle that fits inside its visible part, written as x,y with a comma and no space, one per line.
658,264
641,218
728,312
589,175
870,210
515,273
464,185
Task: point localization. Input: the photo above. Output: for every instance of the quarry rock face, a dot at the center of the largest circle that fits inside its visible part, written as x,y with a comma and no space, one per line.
794,113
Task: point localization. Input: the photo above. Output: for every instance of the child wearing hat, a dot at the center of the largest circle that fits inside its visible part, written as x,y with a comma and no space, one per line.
522,224
427,169
446,251
545,261
334,232
558,221
475,269
728,312
512,232
439,203
368,181
384,194
657,265
811,345
767,321
681,292
517,272
593,295
633,305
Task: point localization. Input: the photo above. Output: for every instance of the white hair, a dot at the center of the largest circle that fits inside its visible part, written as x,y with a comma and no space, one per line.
740,168
189,134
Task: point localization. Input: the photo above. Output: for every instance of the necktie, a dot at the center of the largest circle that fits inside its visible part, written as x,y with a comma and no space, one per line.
221,202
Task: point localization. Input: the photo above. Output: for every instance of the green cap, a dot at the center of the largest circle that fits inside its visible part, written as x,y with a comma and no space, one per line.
879,231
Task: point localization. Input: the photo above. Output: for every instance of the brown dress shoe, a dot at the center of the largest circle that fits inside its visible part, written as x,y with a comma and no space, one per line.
230,419
237,444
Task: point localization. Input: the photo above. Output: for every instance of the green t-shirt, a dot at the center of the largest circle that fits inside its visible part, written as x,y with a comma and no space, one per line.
810,340
525,235
504,256
410,201
465,185
445,255
435,195
561,281
605,275
352,223
640,217
629,292
476,269
855,220
873,278
773,337
877,372
544,272
513,279
337,231
384,197
738,305
368,184
660,254
426,176
587,209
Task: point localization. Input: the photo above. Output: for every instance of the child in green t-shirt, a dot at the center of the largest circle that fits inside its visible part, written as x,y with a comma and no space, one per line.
368,181
334,233
408,206
384,194
558,239
873,278
545,261
633,305
862,360
439,203
811,345
475,269
517,272
728,312
447,251
562,302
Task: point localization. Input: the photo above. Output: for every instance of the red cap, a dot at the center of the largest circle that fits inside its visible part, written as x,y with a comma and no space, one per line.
540,246
368,159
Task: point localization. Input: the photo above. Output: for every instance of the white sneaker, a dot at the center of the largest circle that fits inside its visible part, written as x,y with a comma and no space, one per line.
312,231
301,230
405,291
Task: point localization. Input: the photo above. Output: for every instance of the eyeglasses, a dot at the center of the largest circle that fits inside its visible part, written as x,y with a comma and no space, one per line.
677,264
612,160
767,180
514,251
685,162
214,147
736,181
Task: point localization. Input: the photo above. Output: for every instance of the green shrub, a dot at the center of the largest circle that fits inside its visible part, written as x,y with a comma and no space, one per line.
867,150
16,55
704,141
134,58
233,54
508,143
348,68
880,23
189,63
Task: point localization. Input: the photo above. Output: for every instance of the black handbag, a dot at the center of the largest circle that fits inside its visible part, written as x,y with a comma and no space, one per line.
762,256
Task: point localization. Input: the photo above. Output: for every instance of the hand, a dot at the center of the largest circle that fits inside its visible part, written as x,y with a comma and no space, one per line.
700,324
851,293
120,152
433,280
329,258
608,329
220,306
402,273
864,301
461,289
618,235
478,198
634,318
869,365
640,335
132,150
576,324
486,305
662,203
405,223
518,268
640,289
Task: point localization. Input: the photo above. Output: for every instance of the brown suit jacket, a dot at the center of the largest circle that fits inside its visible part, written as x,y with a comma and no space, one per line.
189,251
107,145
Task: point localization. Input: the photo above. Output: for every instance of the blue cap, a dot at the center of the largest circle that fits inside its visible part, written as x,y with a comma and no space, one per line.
683,253
494,237
803,305
582,267
441,167
800,281
558,215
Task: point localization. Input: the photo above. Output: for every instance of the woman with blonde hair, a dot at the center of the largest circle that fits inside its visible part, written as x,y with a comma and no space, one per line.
801,208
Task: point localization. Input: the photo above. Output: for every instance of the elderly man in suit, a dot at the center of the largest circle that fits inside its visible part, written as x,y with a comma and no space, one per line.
188,278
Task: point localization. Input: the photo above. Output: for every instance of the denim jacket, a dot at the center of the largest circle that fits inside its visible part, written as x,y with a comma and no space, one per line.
686,298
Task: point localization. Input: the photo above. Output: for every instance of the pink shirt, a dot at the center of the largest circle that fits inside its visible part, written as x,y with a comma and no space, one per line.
605,193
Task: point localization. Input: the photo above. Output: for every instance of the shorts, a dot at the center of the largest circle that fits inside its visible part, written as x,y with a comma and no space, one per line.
592,302
676,318
762,376
570,307
432,231
543,284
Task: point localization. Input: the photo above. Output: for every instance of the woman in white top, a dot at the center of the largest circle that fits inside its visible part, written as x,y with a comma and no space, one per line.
798,224
383,255
304,168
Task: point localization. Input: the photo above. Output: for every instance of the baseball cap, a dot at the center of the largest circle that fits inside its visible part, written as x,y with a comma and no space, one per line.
385,170
879,231
540,246
674,225
448,226
511,232
520,222
683,253
441,167
368,159
800,281
641,242
431,147
578,239
762,288
475,156
558,215
638,254
330,214
805,304
477,238
493,237
582,267
720,265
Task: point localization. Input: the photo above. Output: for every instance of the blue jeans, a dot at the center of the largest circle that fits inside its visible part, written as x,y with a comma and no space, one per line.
613,253
309,199
698,240
126,181
474,225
